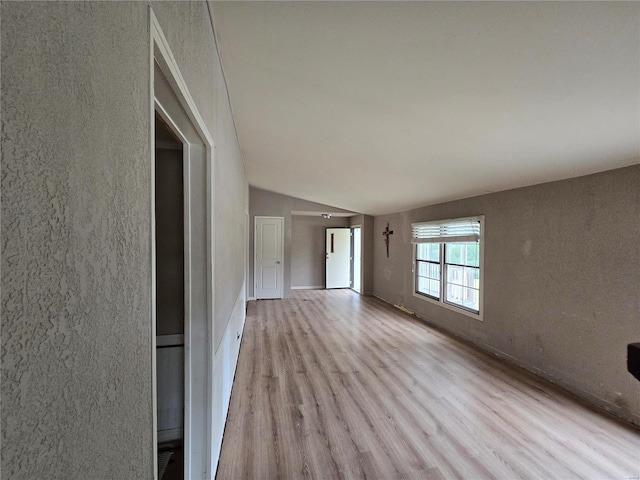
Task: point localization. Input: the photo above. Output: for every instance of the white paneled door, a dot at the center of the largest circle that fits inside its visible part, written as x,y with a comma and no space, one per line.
269,253
338,266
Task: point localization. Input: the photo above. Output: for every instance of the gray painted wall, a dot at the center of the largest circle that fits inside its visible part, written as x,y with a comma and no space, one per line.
265,203
308,240
189,32
76,298
561,273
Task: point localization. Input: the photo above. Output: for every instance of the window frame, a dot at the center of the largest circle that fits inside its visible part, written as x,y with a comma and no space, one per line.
417,272
443,274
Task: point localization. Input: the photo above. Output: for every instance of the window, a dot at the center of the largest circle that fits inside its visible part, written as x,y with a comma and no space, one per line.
448,263
428,269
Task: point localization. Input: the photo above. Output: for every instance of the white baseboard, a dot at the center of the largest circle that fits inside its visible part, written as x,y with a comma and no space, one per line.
315,287
250,298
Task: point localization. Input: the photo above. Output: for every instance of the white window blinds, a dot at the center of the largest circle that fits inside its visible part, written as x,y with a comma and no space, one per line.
459,230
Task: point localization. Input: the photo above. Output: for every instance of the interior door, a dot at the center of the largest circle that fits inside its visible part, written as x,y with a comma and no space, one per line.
269,255
338,264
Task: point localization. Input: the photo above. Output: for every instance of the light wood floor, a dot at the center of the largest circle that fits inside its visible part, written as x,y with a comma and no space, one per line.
334,385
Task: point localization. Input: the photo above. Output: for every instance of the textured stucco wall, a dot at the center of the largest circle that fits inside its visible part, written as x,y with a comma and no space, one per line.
187,27
308,248
561,275
231,191
265,203
76,179
76,332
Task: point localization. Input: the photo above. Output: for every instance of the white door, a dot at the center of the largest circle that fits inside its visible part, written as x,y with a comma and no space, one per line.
269,254
338,250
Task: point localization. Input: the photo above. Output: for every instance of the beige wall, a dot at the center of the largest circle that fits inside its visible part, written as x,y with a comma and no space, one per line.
76,193
561,280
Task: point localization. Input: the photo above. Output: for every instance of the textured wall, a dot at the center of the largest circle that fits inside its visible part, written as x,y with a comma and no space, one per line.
308,248
76,316
76,332
265,203
231,193
187,27
561,274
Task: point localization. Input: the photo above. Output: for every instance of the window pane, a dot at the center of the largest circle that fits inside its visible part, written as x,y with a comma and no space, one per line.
463,296
428,251
454,253
422,284
428,278
434,270
472,277
428,269
463,253
463,276
433,252
423,269
434,288
428,287
455,274
472,254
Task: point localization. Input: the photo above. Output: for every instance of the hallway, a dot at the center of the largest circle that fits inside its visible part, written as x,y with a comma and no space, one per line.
333,385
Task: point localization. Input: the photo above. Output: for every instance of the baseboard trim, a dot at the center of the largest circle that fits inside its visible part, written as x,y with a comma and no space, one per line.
315,287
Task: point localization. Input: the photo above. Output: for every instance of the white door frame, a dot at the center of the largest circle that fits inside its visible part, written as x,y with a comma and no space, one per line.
198,145
255,255
353,259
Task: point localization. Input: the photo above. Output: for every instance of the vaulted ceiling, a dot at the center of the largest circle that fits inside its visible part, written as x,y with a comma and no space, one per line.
377,107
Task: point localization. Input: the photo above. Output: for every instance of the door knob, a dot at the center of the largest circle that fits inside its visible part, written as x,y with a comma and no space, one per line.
278,262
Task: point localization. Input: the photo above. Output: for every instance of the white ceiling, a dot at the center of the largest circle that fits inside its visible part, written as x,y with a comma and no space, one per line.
378,107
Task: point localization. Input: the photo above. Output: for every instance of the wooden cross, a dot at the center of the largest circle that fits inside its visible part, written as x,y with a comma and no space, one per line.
386,234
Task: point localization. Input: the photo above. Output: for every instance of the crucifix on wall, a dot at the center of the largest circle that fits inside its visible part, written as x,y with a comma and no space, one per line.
386,234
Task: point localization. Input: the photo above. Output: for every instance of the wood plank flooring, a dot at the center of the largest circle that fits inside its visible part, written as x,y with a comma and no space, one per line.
333,385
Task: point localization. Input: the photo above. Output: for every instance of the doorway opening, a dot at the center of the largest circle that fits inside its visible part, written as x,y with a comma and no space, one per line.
356,258
171,101
170,301
338,258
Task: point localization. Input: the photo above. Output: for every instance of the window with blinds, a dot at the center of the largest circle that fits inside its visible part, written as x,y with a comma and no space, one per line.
448,263
459,231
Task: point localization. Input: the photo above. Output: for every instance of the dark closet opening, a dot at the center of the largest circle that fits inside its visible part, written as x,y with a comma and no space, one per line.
170,301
